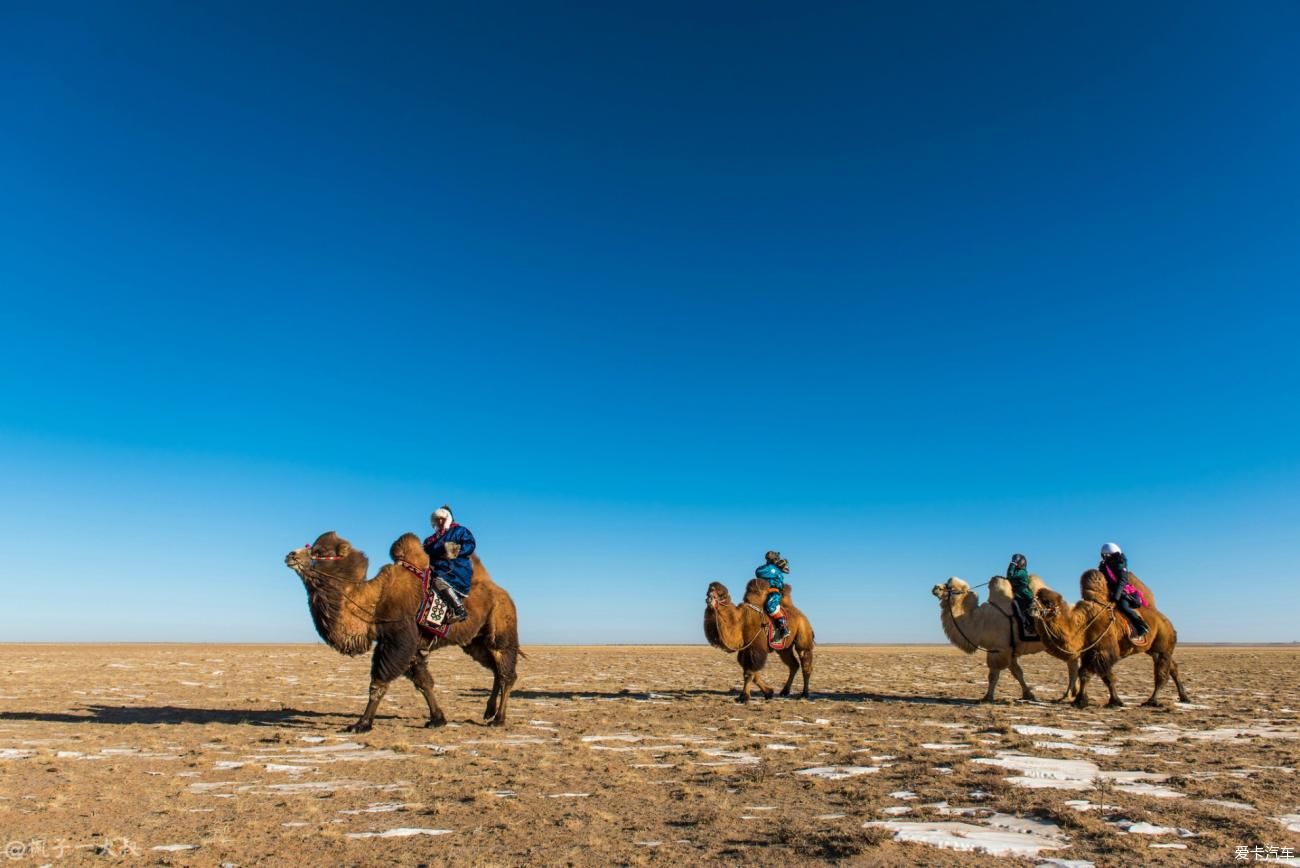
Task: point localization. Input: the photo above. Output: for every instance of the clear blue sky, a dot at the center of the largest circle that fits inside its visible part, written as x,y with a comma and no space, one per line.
643,291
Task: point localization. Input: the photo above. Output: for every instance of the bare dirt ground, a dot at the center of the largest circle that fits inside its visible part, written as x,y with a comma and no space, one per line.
208,754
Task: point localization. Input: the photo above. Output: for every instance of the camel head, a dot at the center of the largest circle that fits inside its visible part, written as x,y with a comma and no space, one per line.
407,547
950,590
331,555
1048,605
718,595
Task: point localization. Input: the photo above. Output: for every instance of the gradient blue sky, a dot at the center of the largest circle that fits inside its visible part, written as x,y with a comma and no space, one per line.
643,291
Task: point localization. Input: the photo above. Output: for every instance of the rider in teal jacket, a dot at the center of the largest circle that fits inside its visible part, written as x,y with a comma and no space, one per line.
773,572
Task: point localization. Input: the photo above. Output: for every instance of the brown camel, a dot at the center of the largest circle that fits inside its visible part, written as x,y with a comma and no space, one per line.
1095,632
990,627
351,613
742,629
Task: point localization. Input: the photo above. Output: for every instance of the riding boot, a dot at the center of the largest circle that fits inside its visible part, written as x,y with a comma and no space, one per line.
1027,631
782,631
1140,627
455,611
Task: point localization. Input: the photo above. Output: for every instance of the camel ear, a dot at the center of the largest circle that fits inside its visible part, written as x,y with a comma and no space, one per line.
344,549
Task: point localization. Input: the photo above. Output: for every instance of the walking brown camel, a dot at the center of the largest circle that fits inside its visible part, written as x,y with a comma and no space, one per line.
1099,636
351,614
742,630
990,627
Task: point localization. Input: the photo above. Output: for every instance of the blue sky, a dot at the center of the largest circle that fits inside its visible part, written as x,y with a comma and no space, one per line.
643,291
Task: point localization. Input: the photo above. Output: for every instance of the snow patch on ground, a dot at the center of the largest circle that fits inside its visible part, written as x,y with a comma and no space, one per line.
399,833
1028,729
1072,774
1001,835
837,773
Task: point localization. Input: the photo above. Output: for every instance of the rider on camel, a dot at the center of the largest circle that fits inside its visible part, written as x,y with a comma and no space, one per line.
1126,597
449,548
1022,595
773,572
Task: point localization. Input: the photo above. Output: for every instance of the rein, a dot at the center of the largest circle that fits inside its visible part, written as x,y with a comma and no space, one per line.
713,604
339,584
1060,644
956,622
422,574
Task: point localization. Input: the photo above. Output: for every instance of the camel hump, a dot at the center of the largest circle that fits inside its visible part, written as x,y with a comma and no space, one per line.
1148,598
1036,583
1093,587
999,588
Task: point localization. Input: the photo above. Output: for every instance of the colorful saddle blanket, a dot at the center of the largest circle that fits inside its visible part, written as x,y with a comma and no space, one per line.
434,613
771,634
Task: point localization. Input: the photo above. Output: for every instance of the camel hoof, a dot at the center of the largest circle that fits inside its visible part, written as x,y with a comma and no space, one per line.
805,697
435,722
1151,703
742,699
1029,697
767,694
785,692
1080,702
1115,703
497,721
987,700
359,726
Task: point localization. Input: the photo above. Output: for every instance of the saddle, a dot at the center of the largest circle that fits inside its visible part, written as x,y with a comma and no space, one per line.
432,616
1023,624
771,629
1138,641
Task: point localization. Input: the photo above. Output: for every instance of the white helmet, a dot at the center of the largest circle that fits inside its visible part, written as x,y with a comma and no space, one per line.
1110,549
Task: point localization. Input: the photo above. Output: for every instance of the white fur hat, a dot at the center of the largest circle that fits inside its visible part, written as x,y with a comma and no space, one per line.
443,512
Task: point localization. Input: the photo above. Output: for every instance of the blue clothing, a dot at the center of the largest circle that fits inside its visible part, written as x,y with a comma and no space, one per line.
772,574
456,571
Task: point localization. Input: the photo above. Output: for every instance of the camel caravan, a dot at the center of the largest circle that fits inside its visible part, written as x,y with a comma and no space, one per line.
437,592
1116,617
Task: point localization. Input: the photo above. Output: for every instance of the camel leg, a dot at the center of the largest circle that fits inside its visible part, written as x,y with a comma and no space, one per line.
377,691
503,681
423,681
791,662
1173,670
1161,664
483,656
1025,691
745,687
768,693
1108,678
1081,697
997,662
806,664
1073,668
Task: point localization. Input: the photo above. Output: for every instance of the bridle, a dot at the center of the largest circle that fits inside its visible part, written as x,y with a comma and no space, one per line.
1044,612
340,584
314,558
